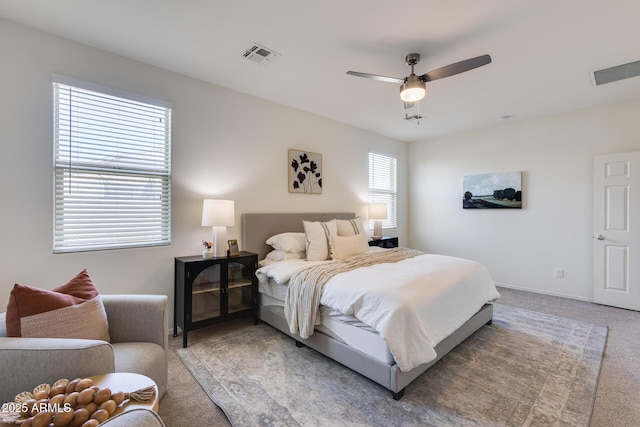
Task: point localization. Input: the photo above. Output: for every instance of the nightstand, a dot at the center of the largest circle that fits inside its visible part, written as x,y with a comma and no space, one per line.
209,291
385,242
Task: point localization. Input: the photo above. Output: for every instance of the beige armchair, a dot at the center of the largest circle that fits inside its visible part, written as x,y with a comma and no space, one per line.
138,326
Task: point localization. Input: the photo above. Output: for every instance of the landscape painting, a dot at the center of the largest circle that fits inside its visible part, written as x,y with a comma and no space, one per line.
492,191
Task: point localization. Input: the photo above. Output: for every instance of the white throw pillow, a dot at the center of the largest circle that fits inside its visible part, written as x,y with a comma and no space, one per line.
288,242
278,255
350,227
318,235
348,246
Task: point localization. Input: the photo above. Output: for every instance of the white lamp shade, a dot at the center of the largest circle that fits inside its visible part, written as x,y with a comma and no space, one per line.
378,211
218,213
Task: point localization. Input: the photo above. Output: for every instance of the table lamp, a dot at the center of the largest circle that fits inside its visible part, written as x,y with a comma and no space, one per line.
377,212
218,214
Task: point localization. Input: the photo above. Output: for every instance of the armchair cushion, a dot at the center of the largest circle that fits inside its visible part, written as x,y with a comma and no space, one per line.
144,358
72,310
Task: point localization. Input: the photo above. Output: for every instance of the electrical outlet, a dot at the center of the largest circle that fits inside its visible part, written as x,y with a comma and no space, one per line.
559,273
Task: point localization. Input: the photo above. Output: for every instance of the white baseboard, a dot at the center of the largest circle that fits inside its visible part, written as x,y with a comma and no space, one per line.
538,291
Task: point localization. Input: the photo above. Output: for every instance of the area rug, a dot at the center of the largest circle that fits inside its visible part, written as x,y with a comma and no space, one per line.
526,369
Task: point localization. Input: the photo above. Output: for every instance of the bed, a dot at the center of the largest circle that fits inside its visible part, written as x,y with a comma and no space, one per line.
349,343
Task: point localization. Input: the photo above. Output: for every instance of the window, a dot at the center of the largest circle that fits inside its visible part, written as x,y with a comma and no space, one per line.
382,185
112,158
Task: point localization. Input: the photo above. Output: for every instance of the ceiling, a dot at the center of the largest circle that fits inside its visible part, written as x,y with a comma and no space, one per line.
543,52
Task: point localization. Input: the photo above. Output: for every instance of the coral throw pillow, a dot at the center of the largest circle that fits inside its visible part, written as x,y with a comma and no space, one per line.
72,310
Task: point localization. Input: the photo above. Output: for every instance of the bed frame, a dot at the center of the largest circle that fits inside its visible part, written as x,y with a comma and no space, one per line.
258,227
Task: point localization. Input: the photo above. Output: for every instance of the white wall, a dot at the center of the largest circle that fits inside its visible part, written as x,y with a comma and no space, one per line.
225,145
521,248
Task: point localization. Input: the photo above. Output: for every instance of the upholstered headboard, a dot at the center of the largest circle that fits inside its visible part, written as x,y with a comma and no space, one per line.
258,227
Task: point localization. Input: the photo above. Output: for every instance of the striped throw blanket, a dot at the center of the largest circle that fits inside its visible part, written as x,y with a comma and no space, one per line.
302,302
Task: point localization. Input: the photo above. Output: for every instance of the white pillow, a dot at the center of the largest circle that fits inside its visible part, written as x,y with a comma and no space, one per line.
348,246
288,242
278,255
318,235
350,227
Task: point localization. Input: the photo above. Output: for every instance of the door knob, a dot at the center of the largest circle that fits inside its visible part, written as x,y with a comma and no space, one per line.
600,237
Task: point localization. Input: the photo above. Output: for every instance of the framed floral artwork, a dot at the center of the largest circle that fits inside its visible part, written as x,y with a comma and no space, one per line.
305,172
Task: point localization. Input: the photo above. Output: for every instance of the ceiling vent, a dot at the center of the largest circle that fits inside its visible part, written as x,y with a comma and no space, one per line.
260,54
613,74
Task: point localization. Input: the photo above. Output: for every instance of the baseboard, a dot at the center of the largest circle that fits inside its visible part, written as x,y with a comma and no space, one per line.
538,291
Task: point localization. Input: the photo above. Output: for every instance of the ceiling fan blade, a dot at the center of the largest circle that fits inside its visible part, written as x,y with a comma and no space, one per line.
408,105
376,77
457,68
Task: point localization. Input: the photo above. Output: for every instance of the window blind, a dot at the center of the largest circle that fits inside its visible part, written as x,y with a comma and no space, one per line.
112,171
382,185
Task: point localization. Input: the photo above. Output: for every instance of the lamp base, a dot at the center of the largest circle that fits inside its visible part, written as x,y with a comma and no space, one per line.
377,230
219,239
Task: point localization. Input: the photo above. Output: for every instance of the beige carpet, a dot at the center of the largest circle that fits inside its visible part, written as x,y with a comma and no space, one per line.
527,368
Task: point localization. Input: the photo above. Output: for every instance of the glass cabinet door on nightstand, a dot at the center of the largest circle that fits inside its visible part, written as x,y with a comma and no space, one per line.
206,294
240,284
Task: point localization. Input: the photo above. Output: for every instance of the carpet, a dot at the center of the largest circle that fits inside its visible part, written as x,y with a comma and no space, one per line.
526,369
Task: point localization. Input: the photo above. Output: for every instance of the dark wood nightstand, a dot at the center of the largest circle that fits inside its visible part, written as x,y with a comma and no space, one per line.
209,291
385,242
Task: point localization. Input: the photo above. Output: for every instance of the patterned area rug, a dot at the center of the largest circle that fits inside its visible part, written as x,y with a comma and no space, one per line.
526,369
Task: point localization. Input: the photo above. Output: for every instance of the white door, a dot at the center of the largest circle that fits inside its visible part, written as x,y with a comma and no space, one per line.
616,230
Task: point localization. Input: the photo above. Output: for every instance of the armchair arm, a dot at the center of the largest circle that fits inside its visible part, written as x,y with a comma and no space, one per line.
139,417
28,362
137,318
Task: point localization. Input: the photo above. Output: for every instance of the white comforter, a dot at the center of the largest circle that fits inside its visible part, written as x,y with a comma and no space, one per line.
413,304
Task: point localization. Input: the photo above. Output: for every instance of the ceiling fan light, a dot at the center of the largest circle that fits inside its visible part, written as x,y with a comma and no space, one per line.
413,91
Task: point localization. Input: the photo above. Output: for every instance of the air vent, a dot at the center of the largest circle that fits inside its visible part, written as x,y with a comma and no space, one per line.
260,54
619,72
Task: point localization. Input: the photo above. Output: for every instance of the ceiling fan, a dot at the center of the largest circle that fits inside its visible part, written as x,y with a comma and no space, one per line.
413,88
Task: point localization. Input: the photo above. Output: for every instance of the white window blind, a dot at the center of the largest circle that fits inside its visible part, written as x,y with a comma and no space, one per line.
382,185
112,171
